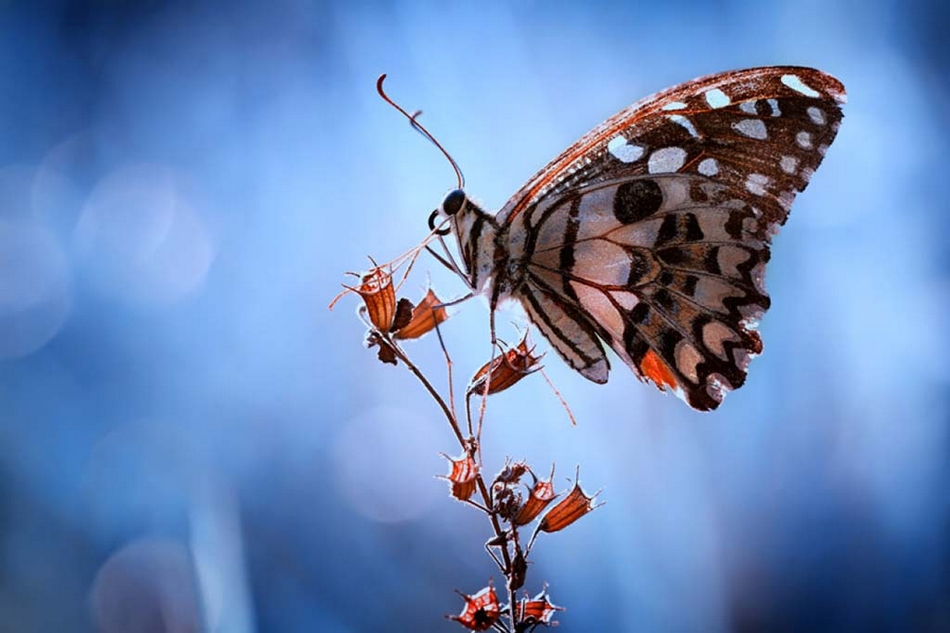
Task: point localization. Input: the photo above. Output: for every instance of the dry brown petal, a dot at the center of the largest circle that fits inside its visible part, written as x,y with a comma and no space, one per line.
385,353
504,371
376,288
542,493
481,610
462,477
569,509
403,316
425,317
540,609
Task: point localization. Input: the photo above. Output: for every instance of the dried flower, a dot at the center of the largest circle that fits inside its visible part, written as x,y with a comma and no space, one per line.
569,509
542,493
379,297
425,317
481,610
538,610
462,476
504,371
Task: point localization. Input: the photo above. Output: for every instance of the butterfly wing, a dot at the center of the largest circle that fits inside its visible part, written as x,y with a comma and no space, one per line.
652,231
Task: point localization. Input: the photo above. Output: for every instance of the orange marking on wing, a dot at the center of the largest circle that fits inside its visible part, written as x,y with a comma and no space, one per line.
657,371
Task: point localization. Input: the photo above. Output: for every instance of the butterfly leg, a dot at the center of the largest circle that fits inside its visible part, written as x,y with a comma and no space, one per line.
445,350
449,262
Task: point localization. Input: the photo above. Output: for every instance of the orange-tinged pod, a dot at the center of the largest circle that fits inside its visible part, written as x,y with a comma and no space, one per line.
568,510
425,317
504,371
481,610
462,476
542,493
379,296
539,609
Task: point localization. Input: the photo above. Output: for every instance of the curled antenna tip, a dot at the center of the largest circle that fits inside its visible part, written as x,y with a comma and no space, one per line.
413,121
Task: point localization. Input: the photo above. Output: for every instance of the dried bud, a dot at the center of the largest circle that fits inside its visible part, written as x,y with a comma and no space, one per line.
481,610
425,317
542,493
569,509
462,476
539,610
506,500
511,473
519,569
504,371
376,288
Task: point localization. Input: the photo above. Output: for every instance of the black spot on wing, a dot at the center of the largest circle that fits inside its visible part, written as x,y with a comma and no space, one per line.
694,232
667,230
636,200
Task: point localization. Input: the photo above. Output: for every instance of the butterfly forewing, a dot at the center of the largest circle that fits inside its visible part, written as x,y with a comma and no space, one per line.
652,232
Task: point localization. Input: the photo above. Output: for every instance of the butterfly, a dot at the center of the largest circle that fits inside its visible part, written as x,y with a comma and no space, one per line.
650,235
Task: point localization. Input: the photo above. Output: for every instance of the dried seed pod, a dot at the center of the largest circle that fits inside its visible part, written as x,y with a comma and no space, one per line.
538,610
542,493
569,509
379,297
504,371
425,317
462,476
481,610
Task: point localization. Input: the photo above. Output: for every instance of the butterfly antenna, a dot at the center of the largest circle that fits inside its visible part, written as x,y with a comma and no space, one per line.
418,127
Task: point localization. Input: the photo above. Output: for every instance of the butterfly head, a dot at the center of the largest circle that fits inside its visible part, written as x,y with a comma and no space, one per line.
453,203
473,228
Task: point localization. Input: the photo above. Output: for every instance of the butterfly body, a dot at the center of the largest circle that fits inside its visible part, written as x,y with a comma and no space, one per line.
650,235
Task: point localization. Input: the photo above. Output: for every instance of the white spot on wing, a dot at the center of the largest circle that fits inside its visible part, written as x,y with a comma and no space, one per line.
756,184
803,139
708,167
674,105
773,103
748,107
788,164
666,160
679,119
627,300
753,128
817,115
795,83
716,98
623,151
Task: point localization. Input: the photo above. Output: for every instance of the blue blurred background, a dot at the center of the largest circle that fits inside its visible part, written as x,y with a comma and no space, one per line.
191,441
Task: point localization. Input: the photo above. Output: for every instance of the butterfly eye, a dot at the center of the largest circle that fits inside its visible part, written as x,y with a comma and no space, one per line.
453,202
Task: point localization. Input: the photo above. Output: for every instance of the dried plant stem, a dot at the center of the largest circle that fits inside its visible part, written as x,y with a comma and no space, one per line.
465,444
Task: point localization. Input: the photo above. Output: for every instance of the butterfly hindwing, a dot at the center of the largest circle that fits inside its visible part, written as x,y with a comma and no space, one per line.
653,231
